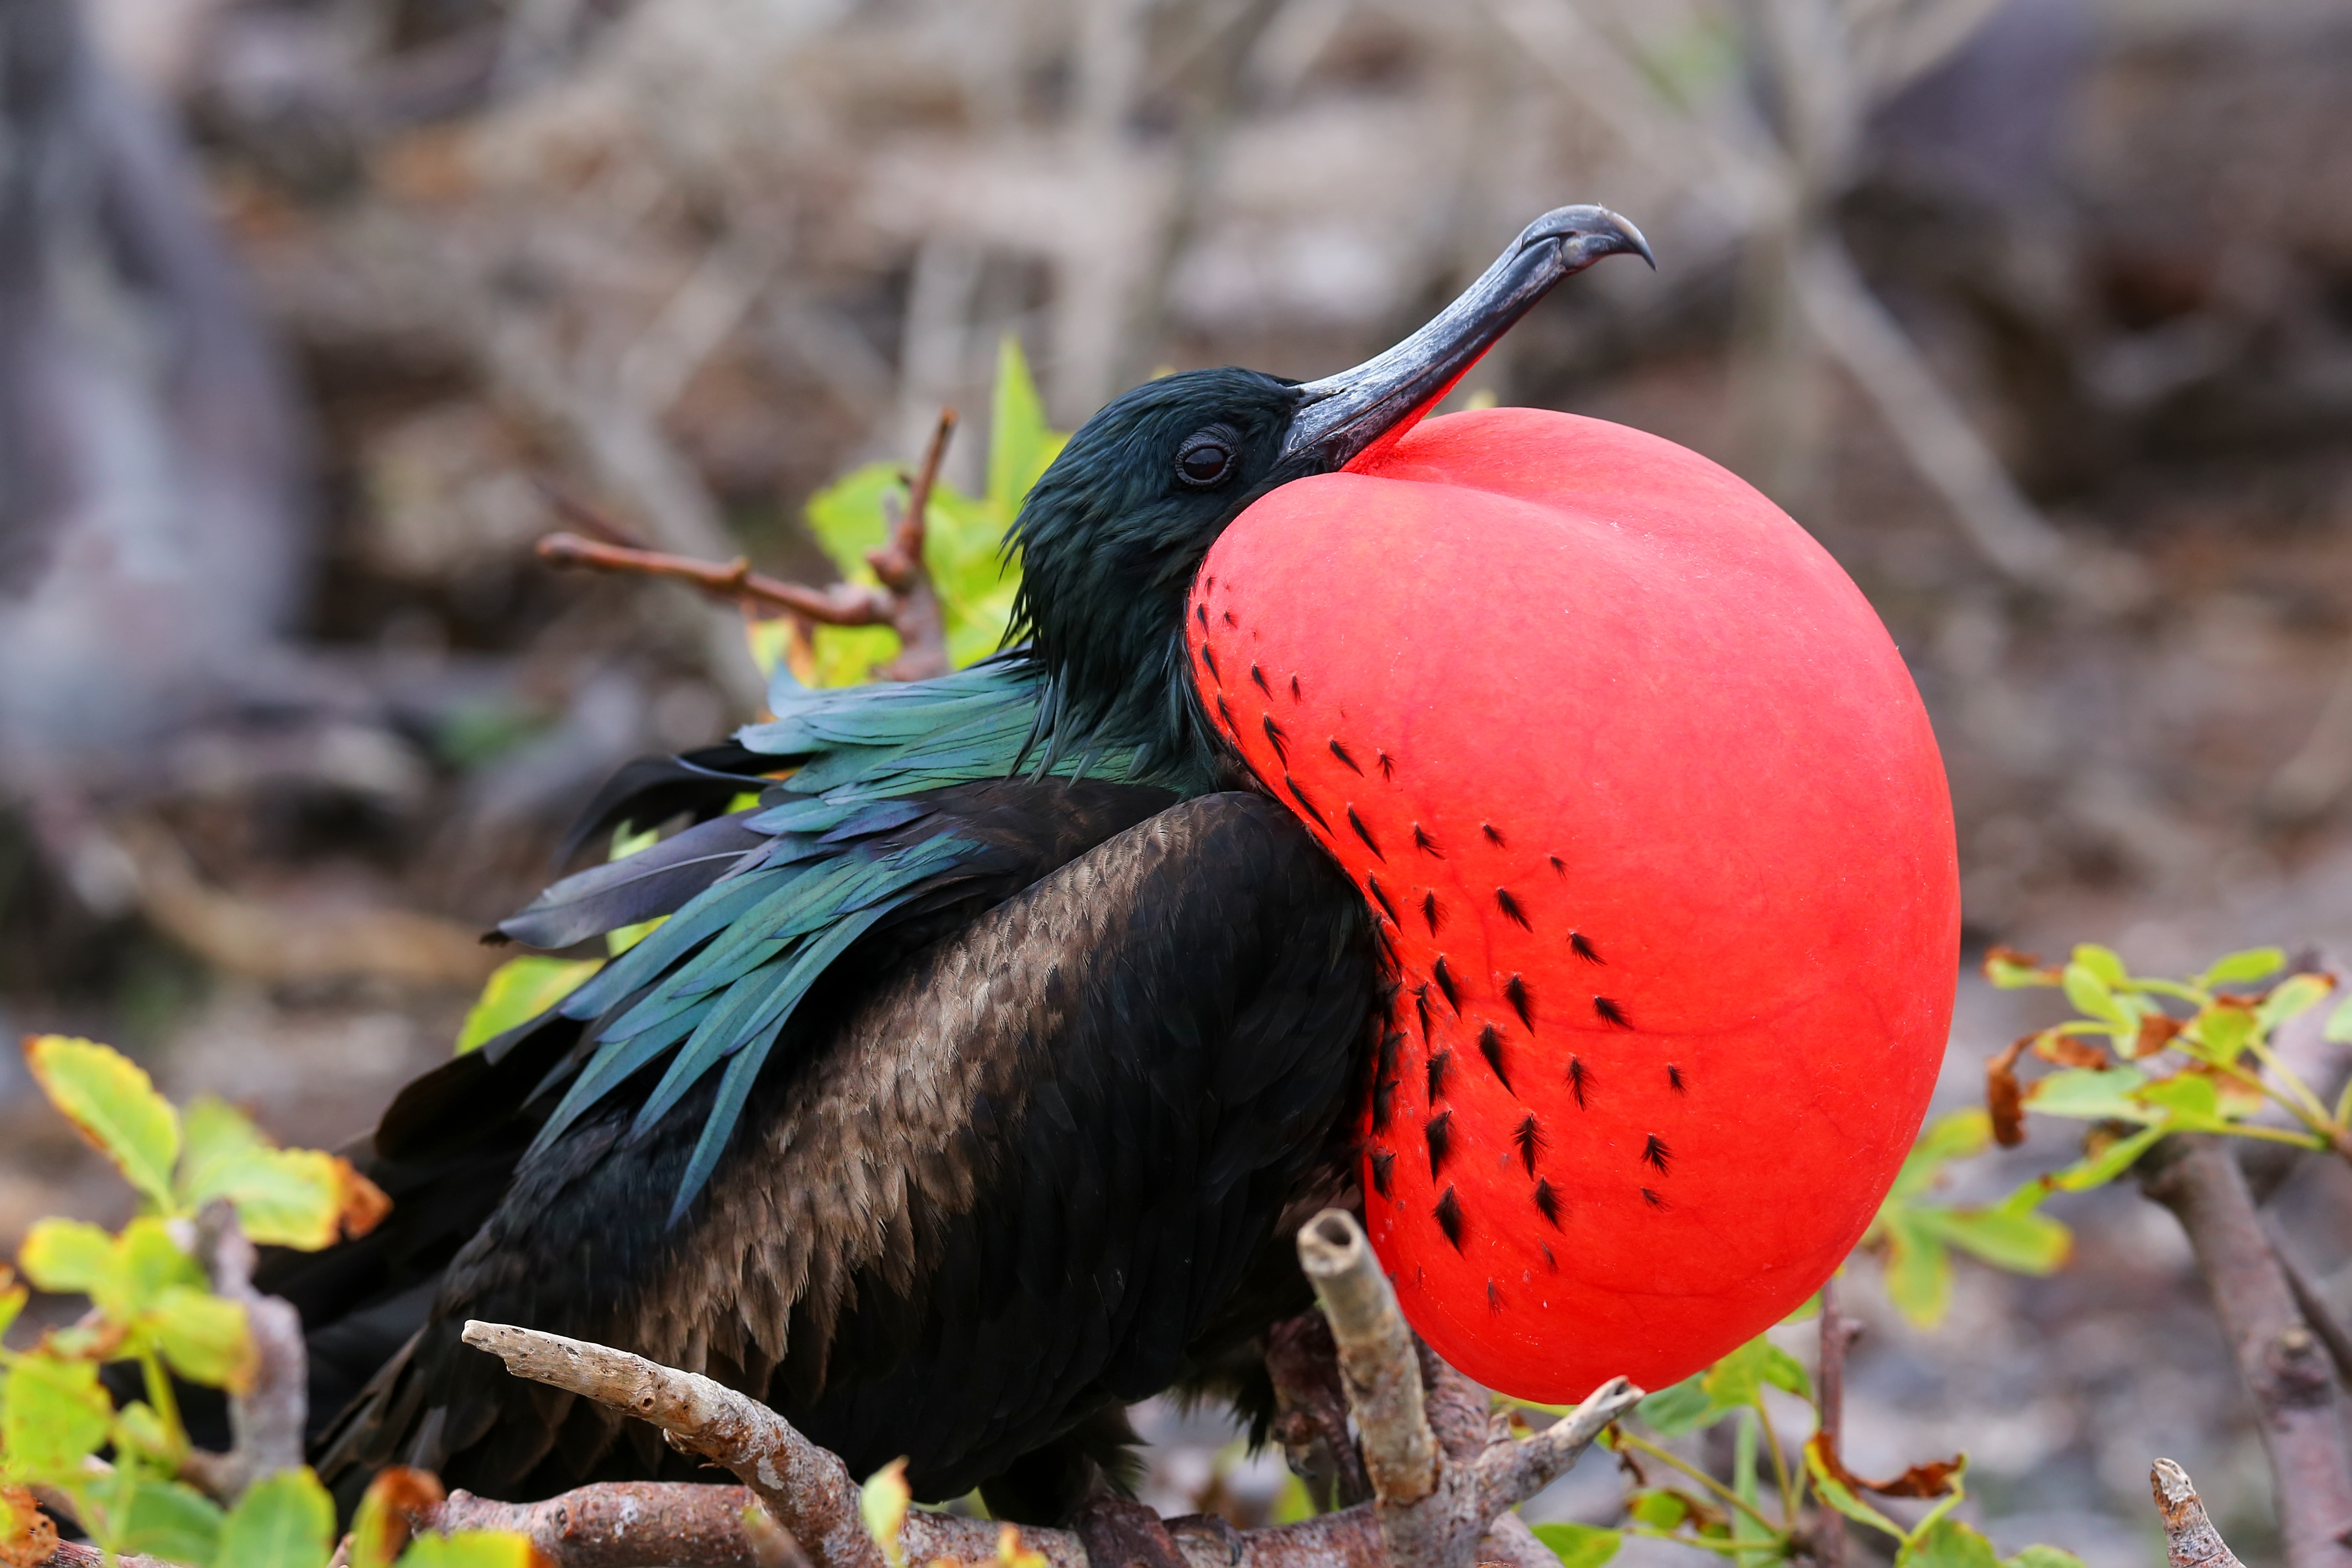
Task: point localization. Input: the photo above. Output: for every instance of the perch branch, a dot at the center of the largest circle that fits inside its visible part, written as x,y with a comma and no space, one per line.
1376,1364
1460,1518
2190,1539
906,601
2282,1361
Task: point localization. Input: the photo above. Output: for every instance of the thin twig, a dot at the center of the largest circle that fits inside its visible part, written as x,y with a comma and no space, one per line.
2190,1539
1838,1333
265,1421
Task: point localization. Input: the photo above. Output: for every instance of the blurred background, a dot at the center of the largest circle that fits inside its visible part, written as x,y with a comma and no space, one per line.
2037,313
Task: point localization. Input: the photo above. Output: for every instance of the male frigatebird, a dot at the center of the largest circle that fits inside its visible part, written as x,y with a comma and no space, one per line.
980,1075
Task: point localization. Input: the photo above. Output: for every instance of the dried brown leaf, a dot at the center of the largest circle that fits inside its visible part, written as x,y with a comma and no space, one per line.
2004,1098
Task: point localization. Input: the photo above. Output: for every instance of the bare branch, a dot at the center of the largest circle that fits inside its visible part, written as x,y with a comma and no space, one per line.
1376,1364
265,1421
622,1524
2190,1539
2279,1359
906,602
1838,1333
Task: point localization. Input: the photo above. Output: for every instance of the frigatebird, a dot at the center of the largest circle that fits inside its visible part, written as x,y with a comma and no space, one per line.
980,1073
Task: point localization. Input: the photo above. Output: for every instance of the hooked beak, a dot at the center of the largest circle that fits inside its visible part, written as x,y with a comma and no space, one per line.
1341,416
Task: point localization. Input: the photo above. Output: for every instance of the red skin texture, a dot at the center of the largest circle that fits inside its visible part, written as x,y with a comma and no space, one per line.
1609,650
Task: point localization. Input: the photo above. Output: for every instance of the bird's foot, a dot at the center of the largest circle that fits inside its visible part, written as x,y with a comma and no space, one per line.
1121,1533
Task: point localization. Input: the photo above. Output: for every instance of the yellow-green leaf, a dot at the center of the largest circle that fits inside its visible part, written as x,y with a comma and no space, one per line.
520,990
1580,1545
301,1198
56,1413
2042,1557
283,1521
1659,1509
2291,997
2238,968
1918,1269
2104,962
147,1264
882,1504
1947,1544
2091,995
1021,444
68,1255
163,1518
139,1431
1840,1497
113,1103
2339,1023
2090,1094
2021,1243
205,1338
468,1549
2097,1169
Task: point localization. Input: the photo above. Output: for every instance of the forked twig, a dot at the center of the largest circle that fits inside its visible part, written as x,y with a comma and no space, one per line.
905,600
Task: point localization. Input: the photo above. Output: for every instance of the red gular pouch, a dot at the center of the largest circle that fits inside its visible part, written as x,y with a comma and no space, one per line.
1655,832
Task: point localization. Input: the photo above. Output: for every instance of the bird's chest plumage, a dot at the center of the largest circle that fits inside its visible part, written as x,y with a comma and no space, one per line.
1659,844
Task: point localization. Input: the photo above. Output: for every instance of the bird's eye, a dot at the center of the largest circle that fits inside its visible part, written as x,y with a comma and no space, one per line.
1206,458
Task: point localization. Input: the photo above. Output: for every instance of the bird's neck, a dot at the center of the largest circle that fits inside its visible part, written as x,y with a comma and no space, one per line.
1150,710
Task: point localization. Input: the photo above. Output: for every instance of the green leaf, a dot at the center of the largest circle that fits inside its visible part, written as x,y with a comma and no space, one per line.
1020,443
2104,962
301,1198
520,990
1737,1379
164,1518
1947,1544
205,1338
68,1255
1918,1267
283,1521
2188,1101
2291,997
2339,1023
139,1430
147,1263
2097,1170
1684,1407
1786,1372
468,1549
1580,1545
2222,1029
1840,1497
882,1504
2238,968
2091,996
56,1413
1658,1510
2090,1094
2042,1557
2022,1243
113,1103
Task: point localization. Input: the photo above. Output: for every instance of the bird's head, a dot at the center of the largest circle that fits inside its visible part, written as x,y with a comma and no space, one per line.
1112,534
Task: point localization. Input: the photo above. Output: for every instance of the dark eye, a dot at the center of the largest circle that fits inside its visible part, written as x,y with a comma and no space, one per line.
1206,458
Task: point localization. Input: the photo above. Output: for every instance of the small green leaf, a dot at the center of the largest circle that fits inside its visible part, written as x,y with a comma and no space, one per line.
2097,1170
1947,1544
164,1518
1658,1510
1739,1378
2090,1094
1021,444
2021,1242
2104,962
1580,1545
56,1413
2339,1023
113,1103
1786,1372
1840,1497
2091,995
283,1521
468,1549
139,1430
68,1255
1684,1407
2042,1557
520,990
1918,1269
2238,968
2291,997
2187,1099
882,1504
2222,1029
301,1198
147,1263
205,1338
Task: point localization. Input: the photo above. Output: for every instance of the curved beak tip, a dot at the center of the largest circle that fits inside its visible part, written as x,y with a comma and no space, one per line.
1592,232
